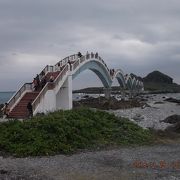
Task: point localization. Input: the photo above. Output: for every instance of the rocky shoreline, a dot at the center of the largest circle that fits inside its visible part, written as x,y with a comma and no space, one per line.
112,103
151,116
147,110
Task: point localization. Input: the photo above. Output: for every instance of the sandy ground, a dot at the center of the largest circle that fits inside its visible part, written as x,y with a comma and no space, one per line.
151,116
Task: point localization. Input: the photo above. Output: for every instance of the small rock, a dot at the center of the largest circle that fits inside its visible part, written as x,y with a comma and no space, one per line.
145,105
172,100
159,102
138,117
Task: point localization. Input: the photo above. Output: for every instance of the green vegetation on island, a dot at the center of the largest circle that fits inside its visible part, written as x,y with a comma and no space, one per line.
68,131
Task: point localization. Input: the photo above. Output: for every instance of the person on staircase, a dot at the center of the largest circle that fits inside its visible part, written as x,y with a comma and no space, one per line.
30,109
35,85
5,111
42,75
51,79
38,81
43,82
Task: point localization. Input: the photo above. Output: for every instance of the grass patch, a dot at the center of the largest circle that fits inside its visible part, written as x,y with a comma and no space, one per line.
68,131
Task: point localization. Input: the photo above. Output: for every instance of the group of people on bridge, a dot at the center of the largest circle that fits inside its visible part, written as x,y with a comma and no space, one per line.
40,81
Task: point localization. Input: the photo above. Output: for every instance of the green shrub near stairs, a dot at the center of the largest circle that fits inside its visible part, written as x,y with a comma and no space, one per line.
68,131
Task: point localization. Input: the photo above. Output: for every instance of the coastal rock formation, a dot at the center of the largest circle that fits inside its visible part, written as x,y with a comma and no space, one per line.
103,103
158,82
158,77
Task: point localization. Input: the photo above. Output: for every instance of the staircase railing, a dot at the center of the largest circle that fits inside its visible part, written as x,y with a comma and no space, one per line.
26,87
49,85
47,69
18,94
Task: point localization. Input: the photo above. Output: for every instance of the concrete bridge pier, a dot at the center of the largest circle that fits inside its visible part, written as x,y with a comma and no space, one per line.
123,93
131,93
64,95
107,93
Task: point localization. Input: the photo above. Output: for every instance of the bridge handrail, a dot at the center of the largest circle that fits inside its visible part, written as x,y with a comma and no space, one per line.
61,74
116,72
15,97
66,59
89,56
48,86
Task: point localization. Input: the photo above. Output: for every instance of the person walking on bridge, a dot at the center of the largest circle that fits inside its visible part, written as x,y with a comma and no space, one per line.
79,54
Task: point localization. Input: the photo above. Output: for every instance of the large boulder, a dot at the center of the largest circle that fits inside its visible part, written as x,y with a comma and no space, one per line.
172,119
175,121
174,128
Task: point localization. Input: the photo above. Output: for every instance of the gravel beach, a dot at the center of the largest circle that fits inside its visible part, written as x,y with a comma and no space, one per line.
150,116
140,163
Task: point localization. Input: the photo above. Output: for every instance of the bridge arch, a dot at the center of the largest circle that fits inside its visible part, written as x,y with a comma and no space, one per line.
129,82
119,75
98,68
134,83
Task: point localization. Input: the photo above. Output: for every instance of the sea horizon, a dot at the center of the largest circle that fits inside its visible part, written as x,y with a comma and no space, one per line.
5,96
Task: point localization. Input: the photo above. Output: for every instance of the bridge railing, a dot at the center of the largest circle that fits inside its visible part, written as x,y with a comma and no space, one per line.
75,64
64,61
61,75
87,57
49,85
116,72
19,93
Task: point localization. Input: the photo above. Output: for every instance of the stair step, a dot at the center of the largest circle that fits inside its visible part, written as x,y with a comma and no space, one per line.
20,110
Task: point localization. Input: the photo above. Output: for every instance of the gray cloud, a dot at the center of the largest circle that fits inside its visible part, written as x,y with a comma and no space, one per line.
137,36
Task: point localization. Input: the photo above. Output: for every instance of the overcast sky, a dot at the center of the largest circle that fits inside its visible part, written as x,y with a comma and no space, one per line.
137,36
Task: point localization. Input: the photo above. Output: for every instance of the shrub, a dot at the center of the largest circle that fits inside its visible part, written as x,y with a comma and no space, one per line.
68,131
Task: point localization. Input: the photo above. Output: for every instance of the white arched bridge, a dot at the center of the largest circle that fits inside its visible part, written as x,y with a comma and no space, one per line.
58,94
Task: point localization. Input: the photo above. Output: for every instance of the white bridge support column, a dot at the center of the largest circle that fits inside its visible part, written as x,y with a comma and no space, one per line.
123,93
131,93
64,96
107,93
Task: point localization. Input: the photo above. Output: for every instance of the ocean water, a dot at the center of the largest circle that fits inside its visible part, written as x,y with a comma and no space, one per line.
5,96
